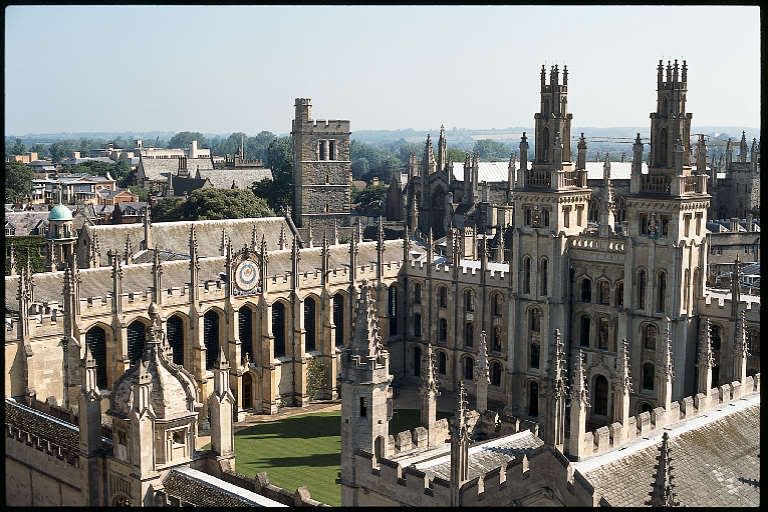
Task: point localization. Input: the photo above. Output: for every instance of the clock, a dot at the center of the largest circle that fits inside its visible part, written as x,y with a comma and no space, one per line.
247,275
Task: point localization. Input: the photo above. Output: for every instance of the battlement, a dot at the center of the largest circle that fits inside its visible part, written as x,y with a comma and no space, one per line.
616,435
718,306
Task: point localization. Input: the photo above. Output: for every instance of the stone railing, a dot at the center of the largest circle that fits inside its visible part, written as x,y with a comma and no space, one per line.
651,184
538,178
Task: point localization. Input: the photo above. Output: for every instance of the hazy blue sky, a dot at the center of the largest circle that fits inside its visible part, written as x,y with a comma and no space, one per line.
239,68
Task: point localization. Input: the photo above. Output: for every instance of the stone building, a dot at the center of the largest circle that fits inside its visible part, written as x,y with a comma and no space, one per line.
736,183
147,455
274,298
322,169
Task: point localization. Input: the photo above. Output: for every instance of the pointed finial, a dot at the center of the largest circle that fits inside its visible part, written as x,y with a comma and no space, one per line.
222,363
483,367
663,493
309,235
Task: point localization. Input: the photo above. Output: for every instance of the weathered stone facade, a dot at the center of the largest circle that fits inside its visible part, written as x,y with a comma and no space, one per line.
322,169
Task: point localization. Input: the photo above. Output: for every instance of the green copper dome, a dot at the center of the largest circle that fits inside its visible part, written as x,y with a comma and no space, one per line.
60,212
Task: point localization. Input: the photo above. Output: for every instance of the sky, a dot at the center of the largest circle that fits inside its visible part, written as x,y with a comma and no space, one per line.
221,69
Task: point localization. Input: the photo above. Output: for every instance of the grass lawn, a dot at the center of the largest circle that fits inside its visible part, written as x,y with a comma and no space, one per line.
304,450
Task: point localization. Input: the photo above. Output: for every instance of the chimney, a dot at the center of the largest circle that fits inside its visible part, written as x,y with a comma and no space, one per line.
193,149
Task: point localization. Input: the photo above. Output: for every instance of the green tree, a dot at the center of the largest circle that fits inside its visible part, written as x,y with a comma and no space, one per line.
258,147
41,150
141,192
489,149
214,204
26,248
18,181
456,155
370,201
18,148
63,149
277,192
168,209
182,140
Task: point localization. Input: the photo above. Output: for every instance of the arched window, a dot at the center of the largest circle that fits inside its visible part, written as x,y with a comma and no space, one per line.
416,361
96,339
278,328
534,320
753,341
245,330
310,327
338,319
469,368
602,333
469,334
648,374
442,363
137,333
211,338
662,292
584,331
535,353
641,283
442,297
496,343
417,293
442,330
586,290
604,292
175,332
495,374
545,144
533,399
392,303
650,332
527,275
543,285
696,284
601,396
620,294
469,301
687,290
417,325
498,304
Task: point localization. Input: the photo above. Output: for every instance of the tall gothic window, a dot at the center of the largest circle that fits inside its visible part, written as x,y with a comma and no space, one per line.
136,335
604,292
442,330
535,354
543,277
496,344
417,293
533,399
498,304
648,374
211,337
469,301
338,319
442,297
601,396
245,330
662,292
586,290
416,361
495,374
584,331
96,339
527,275
649,337
417,325
469,334
641,284
620,294
310,329
545,145
175,334
602,333
442,363
278,328
534,319
469,368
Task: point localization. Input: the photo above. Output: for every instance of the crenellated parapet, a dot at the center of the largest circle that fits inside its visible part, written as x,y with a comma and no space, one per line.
616,435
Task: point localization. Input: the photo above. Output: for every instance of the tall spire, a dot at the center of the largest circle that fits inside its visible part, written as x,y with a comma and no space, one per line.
482,375
282,242
706,359
740,348
579,407
581,153
460,439
428,392
366,338
663,493
442,151
665,370
735,287
743,149
554,425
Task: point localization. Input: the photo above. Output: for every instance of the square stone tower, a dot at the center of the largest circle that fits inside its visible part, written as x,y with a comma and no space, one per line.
322,169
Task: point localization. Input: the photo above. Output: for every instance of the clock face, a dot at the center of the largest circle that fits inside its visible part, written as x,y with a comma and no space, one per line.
247,275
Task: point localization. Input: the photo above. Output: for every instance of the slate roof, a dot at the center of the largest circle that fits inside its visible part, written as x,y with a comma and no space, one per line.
716,464
204,490
25,222
157,169
174,236
42,425
243,178
486,456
